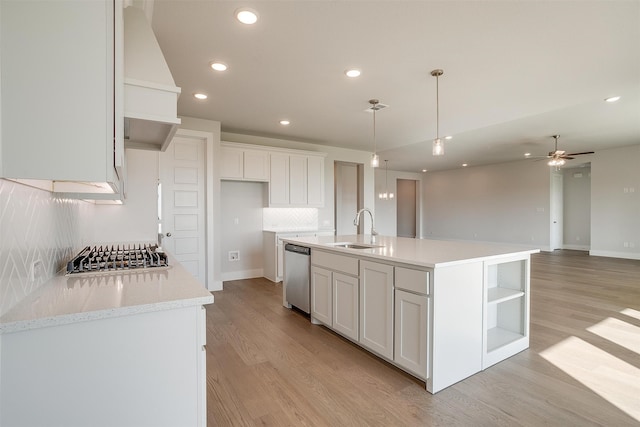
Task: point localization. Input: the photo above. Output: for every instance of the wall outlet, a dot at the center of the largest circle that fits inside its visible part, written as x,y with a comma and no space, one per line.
625,244
234,255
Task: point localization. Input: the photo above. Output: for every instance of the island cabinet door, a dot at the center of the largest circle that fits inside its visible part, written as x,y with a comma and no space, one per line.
321,296
376,308
411,317
345,305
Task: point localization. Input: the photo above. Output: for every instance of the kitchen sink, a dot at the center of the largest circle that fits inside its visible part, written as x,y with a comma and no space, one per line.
353,245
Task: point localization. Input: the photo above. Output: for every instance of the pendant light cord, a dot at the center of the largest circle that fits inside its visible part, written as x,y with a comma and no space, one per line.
437,106
375,149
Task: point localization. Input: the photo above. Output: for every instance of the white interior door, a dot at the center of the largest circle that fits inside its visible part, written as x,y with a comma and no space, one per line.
182,207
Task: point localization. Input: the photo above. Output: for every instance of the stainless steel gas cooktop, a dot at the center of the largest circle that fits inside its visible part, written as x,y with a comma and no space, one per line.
120,257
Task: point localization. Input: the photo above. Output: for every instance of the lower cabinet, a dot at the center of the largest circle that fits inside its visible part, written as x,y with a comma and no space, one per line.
140,369
321,295
345,305
410,335
376,308
334,301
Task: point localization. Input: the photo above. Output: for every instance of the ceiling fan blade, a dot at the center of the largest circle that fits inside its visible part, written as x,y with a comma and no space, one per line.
578,154
567,157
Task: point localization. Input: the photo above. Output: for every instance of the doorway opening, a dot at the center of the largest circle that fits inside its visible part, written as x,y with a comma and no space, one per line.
349,196
406,208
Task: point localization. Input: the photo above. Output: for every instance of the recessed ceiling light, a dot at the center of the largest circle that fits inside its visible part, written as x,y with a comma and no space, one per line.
285,122
464,165
200,96
246,15
352,73
424,170
527,154
448,137
219,66
612,99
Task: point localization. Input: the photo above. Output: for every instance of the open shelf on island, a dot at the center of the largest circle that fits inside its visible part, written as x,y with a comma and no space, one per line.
498,337
497,295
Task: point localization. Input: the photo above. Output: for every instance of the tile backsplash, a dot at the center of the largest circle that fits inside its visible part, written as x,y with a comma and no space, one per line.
36,229
289,219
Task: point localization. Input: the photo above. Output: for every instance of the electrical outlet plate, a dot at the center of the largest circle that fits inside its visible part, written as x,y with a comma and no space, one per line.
234,255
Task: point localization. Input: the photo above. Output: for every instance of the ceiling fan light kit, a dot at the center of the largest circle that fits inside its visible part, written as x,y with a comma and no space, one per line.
438,144
559,157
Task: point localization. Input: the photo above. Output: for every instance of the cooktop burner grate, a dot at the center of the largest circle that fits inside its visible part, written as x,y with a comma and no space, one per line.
127,257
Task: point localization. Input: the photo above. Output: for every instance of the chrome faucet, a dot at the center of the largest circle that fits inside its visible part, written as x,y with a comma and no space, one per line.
356,221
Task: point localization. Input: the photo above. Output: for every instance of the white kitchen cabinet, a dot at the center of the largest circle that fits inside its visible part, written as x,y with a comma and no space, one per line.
321,295
62,72
279,181
334,292
376,308
296,180
108,372
410,332
315,181
506,314
411,326
345,305
243,164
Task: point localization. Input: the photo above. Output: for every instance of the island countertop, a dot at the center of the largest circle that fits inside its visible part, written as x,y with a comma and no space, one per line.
429,253
74,298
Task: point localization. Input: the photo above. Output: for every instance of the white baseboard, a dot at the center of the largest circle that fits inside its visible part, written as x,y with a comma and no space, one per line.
243,274
611,254
576,247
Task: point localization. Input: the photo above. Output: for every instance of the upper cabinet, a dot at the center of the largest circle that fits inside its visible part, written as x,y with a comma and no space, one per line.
238,163
297,180
295,177
61,93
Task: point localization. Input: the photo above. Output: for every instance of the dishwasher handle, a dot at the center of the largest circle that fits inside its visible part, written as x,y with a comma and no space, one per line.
297,249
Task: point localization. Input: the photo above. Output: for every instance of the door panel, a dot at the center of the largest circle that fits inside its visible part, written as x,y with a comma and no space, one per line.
182,216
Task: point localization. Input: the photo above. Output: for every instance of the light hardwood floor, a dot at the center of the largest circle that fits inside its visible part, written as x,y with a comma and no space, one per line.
267,365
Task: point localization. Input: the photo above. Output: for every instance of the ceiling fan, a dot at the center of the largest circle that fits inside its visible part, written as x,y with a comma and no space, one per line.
558,157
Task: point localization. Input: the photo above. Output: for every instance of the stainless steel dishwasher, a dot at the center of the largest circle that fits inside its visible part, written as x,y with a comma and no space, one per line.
297,264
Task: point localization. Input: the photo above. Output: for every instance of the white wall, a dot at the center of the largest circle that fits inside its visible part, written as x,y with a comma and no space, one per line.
242,228
507,202
615,202
137,219
386,210
577,208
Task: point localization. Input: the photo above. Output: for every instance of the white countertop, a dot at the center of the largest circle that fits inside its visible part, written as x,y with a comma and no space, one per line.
90,296
297,230
422,252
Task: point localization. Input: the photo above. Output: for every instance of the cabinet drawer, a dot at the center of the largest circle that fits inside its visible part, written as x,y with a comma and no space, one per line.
412,280
335,262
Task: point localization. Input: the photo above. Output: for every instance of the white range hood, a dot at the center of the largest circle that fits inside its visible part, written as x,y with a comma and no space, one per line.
150,93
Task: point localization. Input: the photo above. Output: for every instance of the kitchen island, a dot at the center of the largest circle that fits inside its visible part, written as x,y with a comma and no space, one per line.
440,310
103,349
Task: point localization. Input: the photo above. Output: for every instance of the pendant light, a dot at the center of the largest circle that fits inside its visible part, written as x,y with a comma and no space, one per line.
387,194
375,159
438,144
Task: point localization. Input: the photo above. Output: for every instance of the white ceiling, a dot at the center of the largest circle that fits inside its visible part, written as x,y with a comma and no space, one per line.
515,73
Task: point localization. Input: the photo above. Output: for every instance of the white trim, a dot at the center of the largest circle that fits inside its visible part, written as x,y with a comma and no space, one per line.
611,254
244,146
243,274
207,137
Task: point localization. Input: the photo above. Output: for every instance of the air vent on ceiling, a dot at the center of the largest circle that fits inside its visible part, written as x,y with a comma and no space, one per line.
377,107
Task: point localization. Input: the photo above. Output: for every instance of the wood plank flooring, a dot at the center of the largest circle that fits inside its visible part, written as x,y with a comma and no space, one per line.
267,365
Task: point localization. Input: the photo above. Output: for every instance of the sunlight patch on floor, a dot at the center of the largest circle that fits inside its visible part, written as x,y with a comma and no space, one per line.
631,313
622,333
611,378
